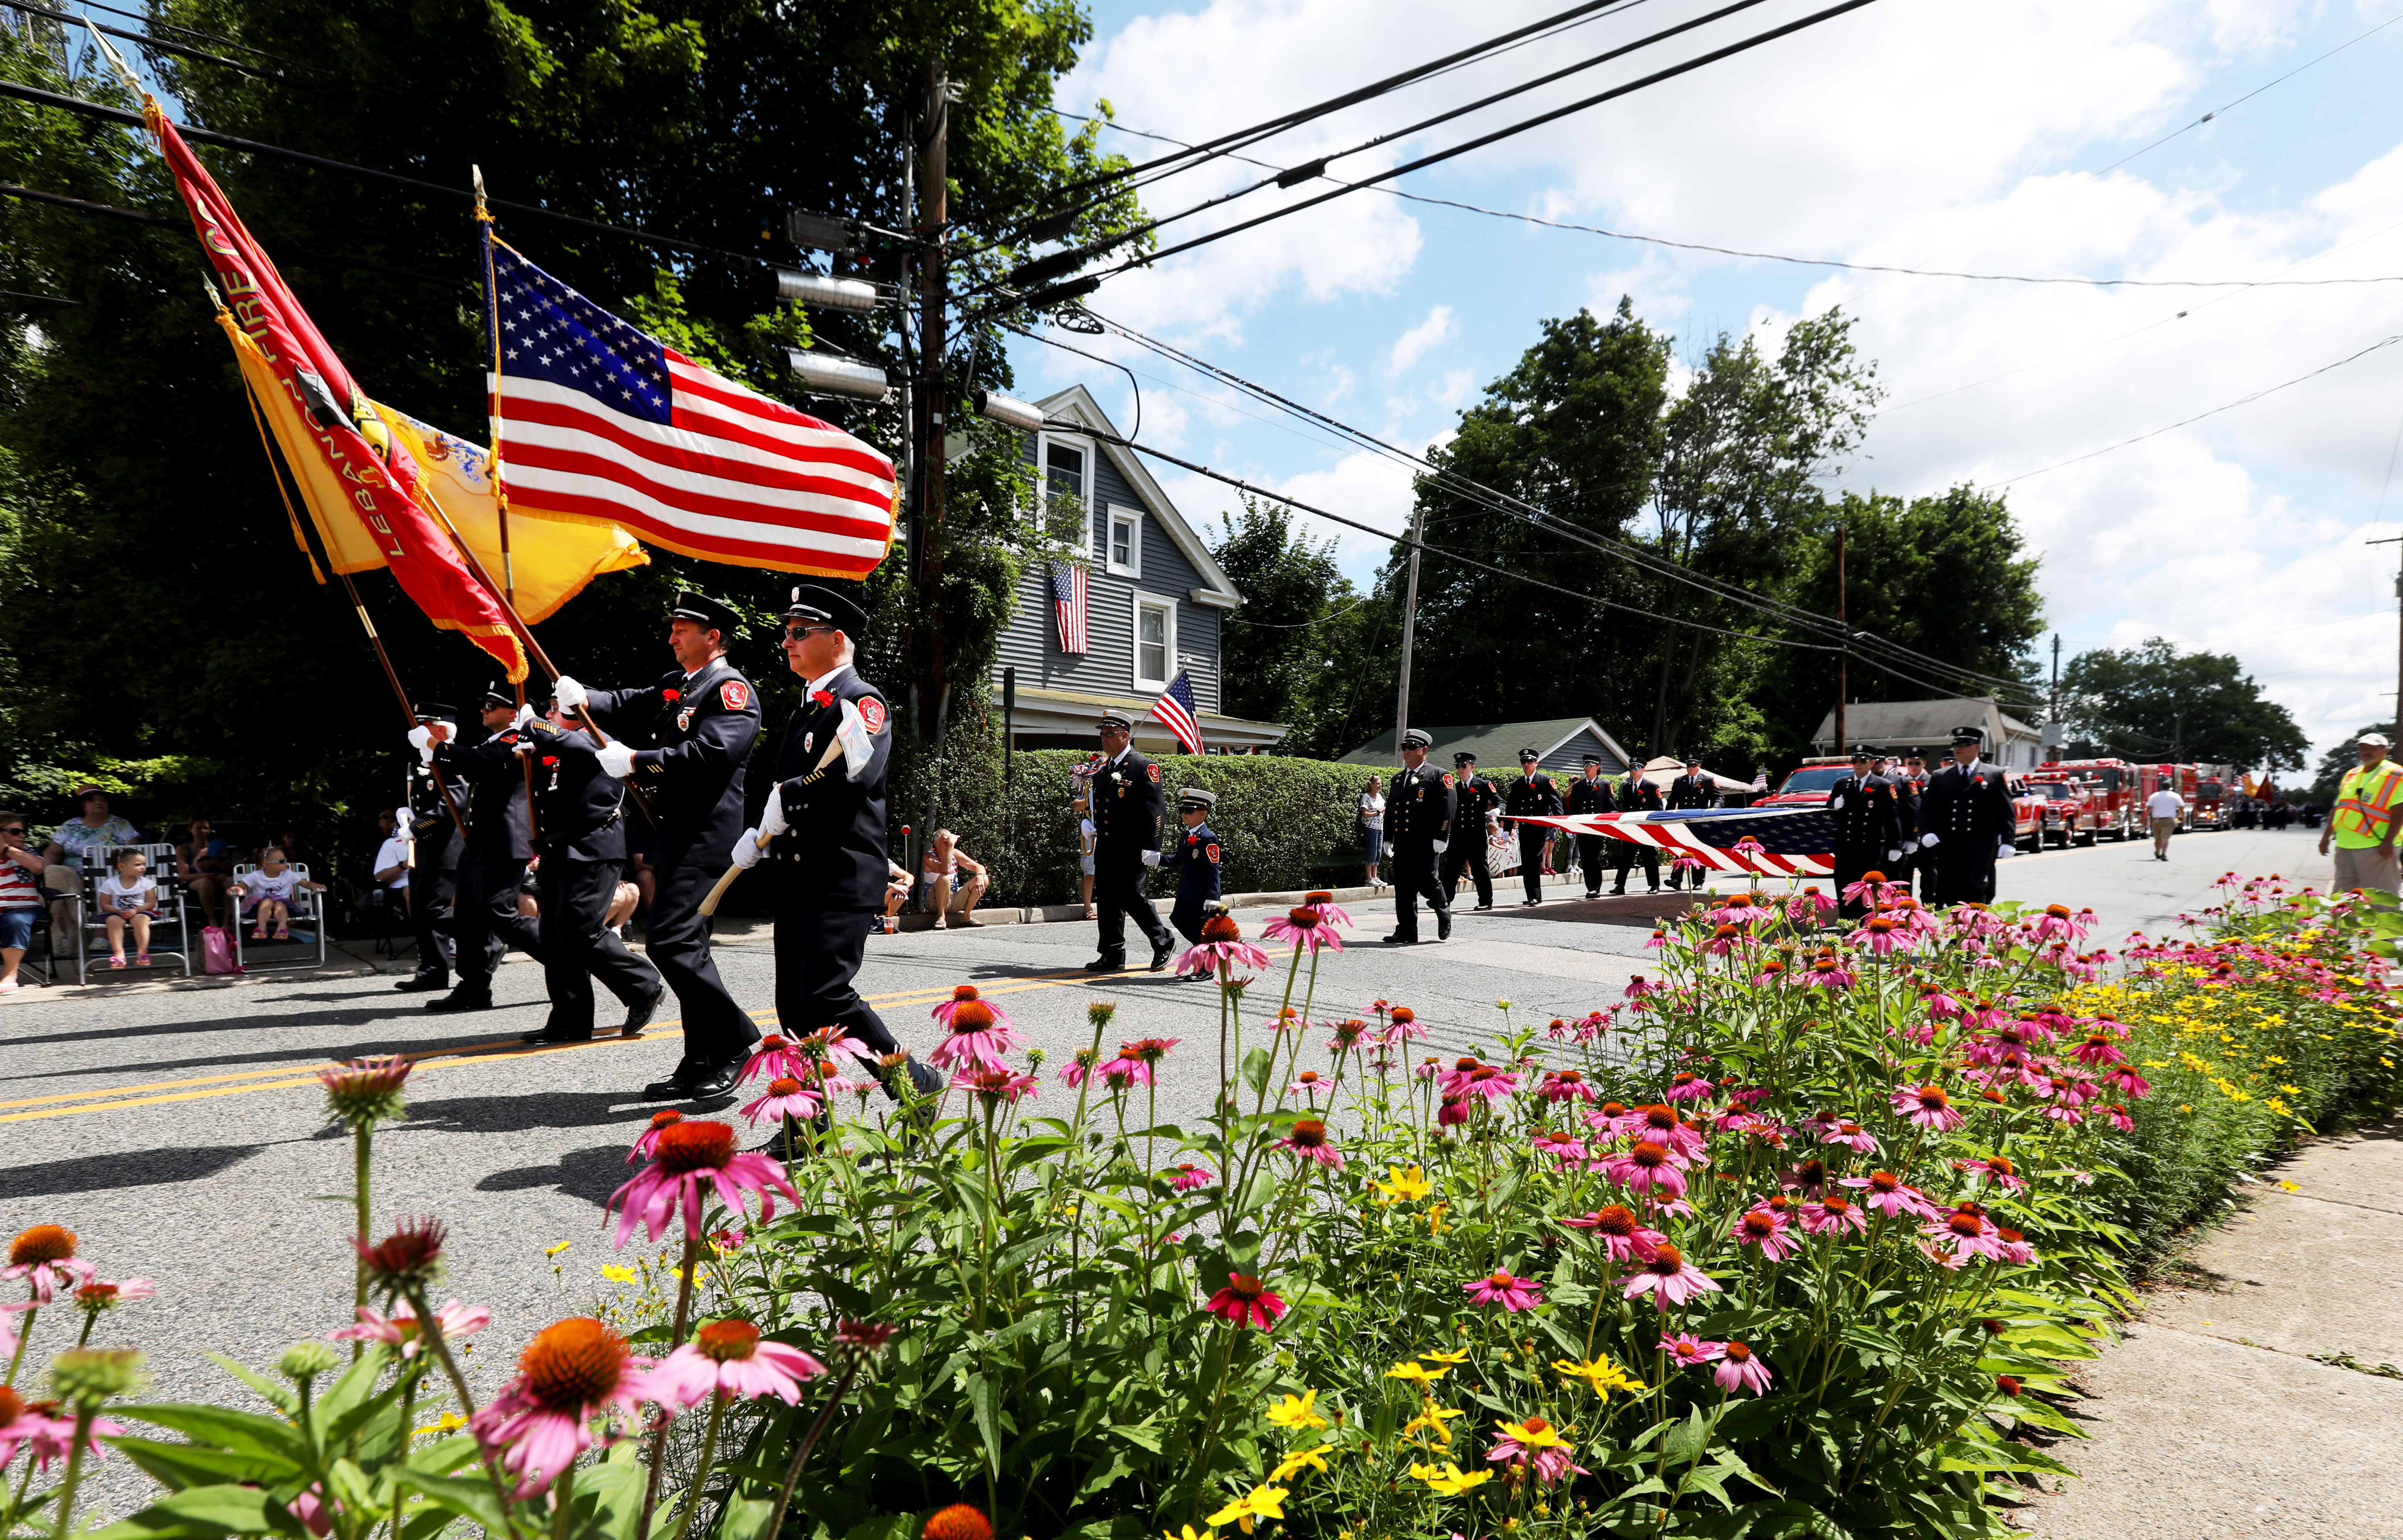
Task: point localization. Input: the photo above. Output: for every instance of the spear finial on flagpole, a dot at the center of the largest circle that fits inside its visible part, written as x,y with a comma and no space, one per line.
476,174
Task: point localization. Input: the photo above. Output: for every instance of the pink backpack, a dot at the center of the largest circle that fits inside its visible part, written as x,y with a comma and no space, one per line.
216,950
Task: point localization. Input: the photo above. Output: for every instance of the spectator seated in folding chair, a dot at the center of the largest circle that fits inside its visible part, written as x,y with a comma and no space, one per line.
130,892
279,893
20,897
126,898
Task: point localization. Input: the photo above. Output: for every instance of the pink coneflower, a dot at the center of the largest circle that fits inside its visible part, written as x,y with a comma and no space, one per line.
1726,938
1348,1036
649,1139
1309,1086
1081,1068
1766,1229
1928,1106
1872,890
1001,1085
2120,1118
1657,941
1222,946
24,1422
1403,1027
1645,1166
1669,1278
1532,1445
1309,1139
1811,1175
1661,1123
1499,1287
1489,1081
100,1295
1996,1168
1686,1350
1321,902
1810,906
1832,1212
980,1031
1827,972
1741,1368
1880,936
1305,929
1639,986
1853,1137
1886,1193
1968,1232
1565,1086
1451,1111
45,1257
572,1371
730,1357
828,1041
49,1439
786,1098
1686,1086
775,1056
1941,1006
1563,1147
2127,1082
1772,970
2098,1050
2013,1247
1246,1301
690,1159
1621,1234
1190,1176
401,1328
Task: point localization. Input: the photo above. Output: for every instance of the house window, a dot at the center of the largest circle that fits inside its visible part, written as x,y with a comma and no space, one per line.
1125,553
1155,643
1068,470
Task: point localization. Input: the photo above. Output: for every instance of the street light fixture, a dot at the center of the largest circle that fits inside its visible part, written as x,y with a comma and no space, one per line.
824,374
821,291
1009,410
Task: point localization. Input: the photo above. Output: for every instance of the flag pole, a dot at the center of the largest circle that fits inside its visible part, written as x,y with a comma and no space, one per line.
500,489
358,605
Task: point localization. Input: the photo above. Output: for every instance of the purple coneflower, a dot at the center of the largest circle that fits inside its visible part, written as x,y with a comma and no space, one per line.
1928,1107
1686,1350
572,1371
690,1159
44,1255
1222,944
786,1097
1741,1368
1306,929
1246,1300
401,1329
730,1357
1832,1212
980,1031
1765,1228
1669,1278
1623,1235
1309,1139
1499,1287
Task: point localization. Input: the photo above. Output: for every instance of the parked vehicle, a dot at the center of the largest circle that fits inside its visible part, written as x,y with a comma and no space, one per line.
2072,814
1808,785
2115,792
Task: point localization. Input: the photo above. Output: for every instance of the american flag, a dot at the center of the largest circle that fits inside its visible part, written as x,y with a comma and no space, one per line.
600,421
1785,842
1176,709
1068,603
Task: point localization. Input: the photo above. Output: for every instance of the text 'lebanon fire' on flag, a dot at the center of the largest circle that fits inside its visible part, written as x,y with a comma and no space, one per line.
1068,595
599,420
1176,709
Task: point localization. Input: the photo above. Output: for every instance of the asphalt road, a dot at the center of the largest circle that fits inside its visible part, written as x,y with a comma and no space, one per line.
178,1130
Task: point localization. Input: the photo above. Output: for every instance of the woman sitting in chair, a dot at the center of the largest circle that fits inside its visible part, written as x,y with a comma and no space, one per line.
272,893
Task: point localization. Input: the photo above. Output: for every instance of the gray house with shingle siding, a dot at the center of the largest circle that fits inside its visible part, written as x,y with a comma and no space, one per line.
1155,604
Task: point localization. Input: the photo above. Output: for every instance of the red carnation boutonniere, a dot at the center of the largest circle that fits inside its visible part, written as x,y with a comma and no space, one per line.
672,697
548,760
823,698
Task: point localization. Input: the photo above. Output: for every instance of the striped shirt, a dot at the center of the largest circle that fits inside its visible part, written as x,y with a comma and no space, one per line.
19,888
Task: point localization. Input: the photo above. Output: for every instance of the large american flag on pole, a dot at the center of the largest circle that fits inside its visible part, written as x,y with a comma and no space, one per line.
1176,709
598,420
1767,843
1068,594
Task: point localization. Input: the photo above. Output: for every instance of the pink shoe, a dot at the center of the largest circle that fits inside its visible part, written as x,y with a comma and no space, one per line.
140,959
283,932
116,962
258,932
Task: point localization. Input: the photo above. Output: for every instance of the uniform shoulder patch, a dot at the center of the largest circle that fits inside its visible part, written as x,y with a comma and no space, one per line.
1447,778
1153,770
872,714
735,694
1213,852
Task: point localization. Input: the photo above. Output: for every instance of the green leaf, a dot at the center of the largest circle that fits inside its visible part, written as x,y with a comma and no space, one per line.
244,1432
205,1512
176,1466
278,1393
468,1497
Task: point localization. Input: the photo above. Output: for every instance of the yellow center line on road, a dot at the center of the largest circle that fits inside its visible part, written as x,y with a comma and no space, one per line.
284,1078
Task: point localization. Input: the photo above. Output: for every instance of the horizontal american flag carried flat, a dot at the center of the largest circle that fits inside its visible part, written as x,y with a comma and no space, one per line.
1068,597
598,420
1176,709
1786,841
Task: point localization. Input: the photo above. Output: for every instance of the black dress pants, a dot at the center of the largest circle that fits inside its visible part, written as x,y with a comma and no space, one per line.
578,949
1588,849
1533,843
717,1030
1117,893
818,953
1467,852
485,922
1962,876
1628,854
431,891
1415,876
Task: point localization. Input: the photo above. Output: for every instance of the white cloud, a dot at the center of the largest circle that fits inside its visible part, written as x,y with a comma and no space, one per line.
1422,339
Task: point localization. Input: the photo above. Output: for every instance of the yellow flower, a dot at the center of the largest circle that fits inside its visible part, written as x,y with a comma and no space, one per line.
1430,1420
1295,1412
1434,1218
554,1250
1188,1535
1261,1502
1417,1372
1403,1184
1602,1376
1455,1356
1298,1460
1534,1434
2290,1187
617,1275
444,1424
1451,1480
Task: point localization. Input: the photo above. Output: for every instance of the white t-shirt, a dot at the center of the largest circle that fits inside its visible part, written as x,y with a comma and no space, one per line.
2165,803
258,886
1372,810
394,852
118,898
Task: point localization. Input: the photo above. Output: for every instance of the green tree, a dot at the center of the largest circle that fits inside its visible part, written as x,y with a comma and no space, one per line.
2154,702
2335,761
1303,649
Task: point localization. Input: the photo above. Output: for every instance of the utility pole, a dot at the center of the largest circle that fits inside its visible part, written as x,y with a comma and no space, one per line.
2054,709
1409,621
929,400
1843,658
2394,540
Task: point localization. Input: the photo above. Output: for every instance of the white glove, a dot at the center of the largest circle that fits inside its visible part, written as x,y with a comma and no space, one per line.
1085,827
616,759
2006,849
422,741
747,849
406,816
523,746
525,714
1151,858
1893,855
771,818
569,694
1928,840
853,737
1838,802
1440,845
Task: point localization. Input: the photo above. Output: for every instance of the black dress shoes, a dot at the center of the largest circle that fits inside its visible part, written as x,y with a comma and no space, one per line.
1443,925
672,1087
1107,965
639,1016
419,983
466,997
1159,956
547,1035
713,1080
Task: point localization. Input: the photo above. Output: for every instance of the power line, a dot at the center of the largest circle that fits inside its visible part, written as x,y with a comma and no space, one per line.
138,216
150,42
217,38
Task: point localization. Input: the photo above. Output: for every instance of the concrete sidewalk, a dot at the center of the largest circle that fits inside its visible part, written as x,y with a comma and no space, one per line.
2218,1418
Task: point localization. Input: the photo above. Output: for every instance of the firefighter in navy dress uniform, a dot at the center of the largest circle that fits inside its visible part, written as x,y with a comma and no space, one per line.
434,869
1692,789
1589,794
1869,832
1910,779
1535,793
484,918
683,742
1965,818
1129,808
1419,818
1197,860
1637,794
1473,797
822,829
580,834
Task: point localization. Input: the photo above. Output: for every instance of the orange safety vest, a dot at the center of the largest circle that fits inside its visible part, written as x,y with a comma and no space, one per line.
2364,803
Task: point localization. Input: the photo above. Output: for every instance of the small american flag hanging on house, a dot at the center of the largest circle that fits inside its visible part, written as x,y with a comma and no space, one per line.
1068,604
1176,709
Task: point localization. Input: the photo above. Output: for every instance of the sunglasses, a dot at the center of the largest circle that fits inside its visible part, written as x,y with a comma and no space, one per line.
794,633
13,828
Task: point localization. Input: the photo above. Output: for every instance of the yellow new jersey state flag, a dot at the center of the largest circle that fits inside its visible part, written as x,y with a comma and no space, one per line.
552,558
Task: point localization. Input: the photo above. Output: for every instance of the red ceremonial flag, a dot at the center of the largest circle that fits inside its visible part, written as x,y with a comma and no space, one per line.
385,493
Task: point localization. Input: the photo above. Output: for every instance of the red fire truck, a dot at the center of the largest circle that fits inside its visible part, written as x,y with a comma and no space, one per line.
2113,792
2073,812
1809,783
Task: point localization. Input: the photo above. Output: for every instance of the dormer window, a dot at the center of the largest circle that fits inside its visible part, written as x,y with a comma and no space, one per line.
1124,555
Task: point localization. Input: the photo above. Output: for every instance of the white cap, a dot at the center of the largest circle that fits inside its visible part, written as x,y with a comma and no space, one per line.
2376,739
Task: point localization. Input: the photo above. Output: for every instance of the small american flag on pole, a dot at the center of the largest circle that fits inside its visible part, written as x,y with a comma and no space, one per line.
1068,603
1176,709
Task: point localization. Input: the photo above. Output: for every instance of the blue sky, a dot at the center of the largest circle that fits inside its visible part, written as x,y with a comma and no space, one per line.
1915,132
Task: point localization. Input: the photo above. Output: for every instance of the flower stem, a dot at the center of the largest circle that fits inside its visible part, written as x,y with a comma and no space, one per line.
801,1455
429,1331
75,1470
659,1434
360,1139
24,1335
563,1502
708,1449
